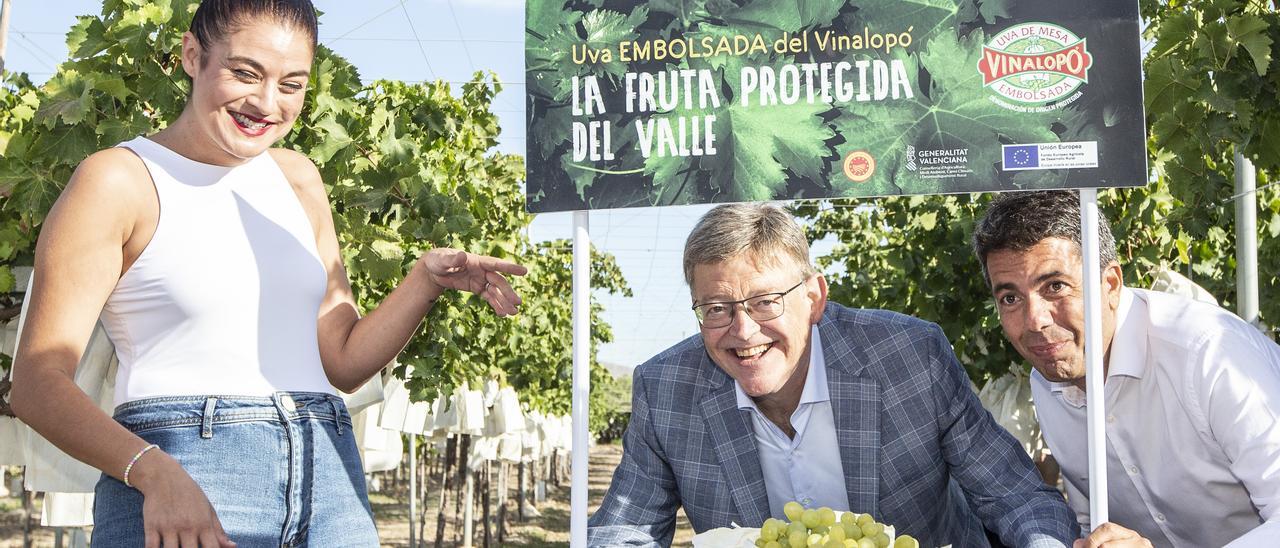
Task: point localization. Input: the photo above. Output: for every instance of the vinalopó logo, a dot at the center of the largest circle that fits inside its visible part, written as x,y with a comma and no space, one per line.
1035,63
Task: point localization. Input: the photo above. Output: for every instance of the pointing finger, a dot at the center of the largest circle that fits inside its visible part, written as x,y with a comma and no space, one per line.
498,265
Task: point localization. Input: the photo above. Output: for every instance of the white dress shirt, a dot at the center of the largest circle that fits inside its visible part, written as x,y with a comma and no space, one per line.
1193,426
805,468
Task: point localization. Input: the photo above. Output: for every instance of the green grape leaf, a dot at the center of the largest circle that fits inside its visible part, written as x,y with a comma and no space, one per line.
582,177
335,139
1168,82
893,17
396,149
1251,33
542,17
783,15
32,196
928,220
1175,33
117,130
69,100
87,37
551,49
666,170
1268,149
687,13
1217,9
113,86
67,144
990,10
10,177
751,149
146,14
7,279
1213,44
387,250
605,29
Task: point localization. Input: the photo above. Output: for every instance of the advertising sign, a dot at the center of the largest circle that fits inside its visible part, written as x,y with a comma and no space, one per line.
701,101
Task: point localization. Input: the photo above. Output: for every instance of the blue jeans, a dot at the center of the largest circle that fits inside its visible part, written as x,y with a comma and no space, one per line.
281,471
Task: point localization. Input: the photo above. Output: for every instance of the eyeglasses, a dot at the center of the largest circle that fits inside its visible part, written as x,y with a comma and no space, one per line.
760,308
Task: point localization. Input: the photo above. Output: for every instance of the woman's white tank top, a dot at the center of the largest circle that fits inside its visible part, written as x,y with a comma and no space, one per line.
224,299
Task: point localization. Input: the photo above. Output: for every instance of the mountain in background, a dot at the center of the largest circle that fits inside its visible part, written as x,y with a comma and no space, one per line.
618,371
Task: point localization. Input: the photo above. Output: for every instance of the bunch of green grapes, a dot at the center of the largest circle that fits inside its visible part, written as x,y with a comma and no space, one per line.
819,528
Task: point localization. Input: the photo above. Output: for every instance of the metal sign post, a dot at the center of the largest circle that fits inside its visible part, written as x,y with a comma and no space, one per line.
1095,377
581,376
413,486
1246,239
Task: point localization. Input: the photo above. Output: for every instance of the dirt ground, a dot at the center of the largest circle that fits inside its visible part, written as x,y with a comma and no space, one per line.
550,528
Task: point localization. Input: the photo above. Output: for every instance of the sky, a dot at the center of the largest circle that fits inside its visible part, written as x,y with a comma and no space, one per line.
418,40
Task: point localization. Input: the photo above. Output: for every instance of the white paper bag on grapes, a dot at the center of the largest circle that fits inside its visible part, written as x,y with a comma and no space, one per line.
1008,399
727,537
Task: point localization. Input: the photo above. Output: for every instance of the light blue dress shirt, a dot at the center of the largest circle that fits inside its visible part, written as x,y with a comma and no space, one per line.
806,468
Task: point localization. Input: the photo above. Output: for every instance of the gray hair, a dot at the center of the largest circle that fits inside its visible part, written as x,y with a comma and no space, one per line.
1017,221
766,233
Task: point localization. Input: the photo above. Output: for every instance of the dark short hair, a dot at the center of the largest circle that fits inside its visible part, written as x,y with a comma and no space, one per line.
1017,221
215,19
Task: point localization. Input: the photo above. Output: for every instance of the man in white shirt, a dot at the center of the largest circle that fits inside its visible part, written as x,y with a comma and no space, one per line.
1192,391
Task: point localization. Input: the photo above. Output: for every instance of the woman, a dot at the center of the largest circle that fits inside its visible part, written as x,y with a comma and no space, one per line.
214,264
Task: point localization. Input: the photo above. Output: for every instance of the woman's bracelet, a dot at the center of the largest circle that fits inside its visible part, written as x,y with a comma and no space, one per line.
134,461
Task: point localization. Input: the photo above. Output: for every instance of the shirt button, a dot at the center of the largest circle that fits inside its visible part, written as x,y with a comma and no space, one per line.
1160,517
1133,469
1111,419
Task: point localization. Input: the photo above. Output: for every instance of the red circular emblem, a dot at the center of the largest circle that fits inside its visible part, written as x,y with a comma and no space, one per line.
859,166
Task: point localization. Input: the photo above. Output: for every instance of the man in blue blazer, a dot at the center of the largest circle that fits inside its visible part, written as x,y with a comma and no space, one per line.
786,397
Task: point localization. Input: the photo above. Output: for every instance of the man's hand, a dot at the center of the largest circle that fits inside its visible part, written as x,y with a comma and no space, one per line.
479,274
1110,535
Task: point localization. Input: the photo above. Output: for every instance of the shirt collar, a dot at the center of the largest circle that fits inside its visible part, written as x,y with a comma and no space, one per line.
815,380
1128,347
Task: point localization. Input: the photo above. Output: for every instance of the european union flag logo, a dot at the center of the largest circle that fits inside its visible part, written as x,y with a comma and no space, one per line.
1021,157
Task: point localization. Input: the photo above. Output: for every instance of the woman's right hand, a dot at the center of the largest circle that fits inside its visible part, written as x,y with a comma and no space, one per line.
175,511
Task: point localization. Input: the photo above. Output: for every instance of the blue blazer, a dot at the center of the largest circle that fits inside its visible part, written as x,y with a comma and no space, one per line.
910,431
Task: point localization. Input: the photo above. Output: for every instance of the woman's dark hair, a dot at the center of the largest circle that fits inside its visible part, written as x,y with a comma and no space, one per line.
215,19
